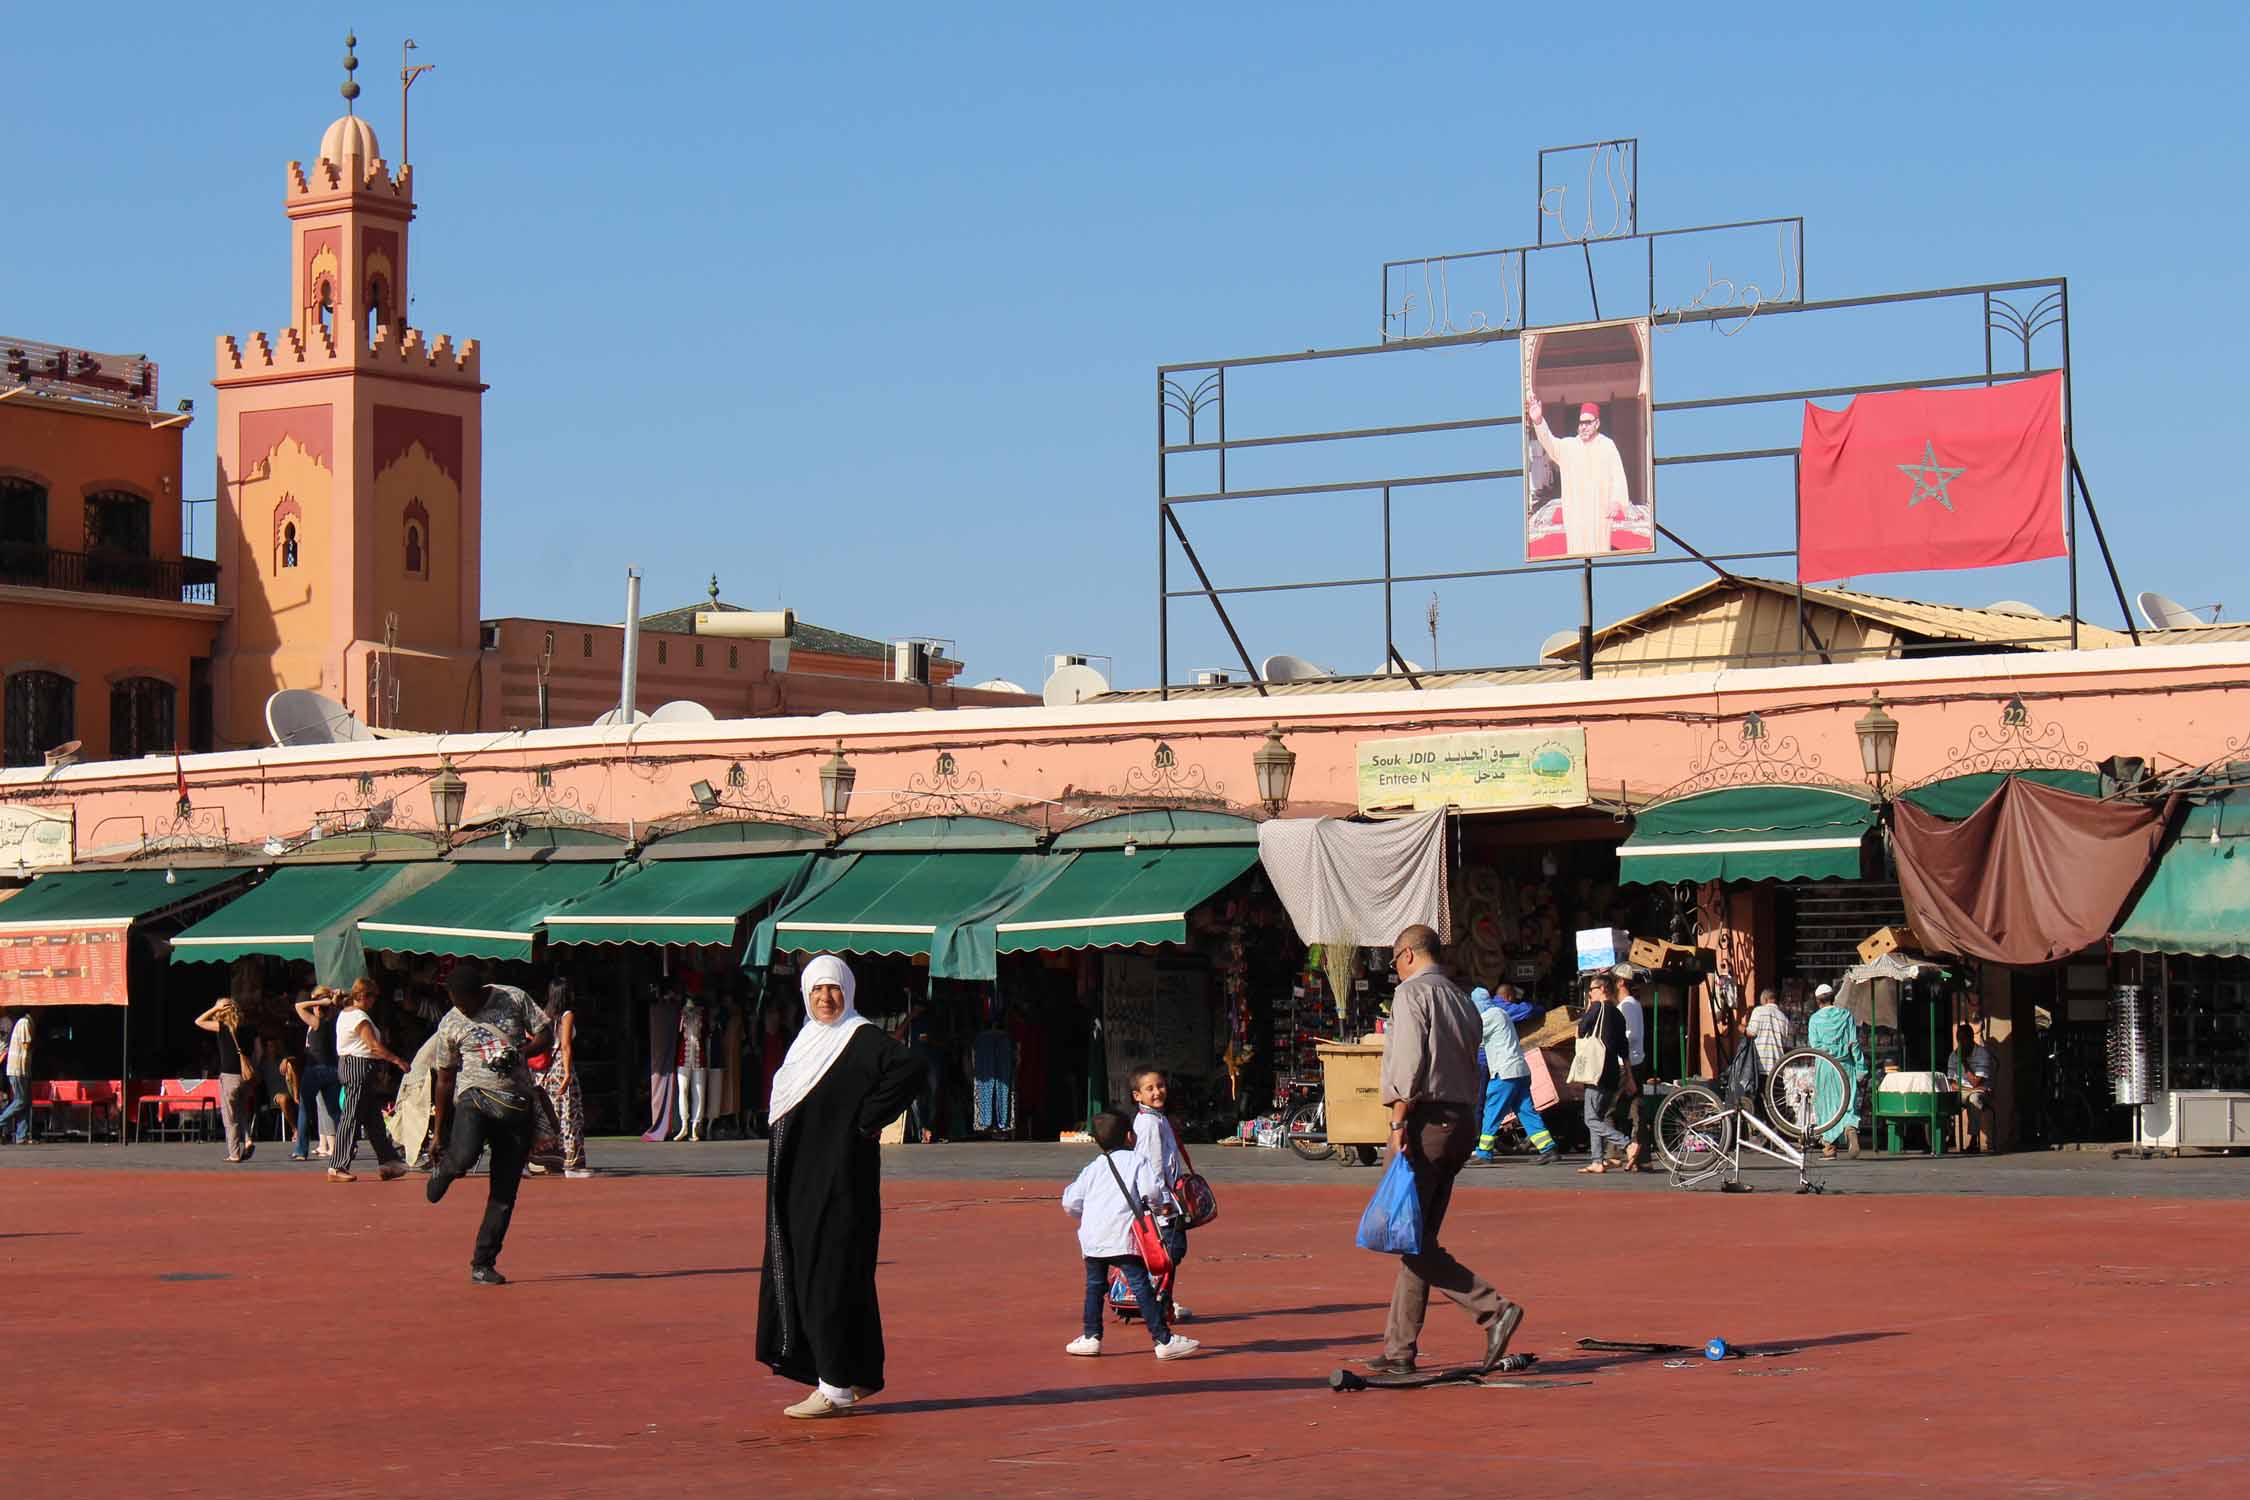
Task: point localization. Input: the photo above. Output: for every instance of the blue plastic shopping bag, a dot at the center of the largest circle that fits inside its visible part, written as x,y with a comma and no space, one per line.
1392,1224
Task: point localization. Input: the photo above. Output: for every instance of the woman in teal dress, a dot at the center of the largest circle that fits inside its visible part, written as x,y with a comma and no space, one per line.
1835,1031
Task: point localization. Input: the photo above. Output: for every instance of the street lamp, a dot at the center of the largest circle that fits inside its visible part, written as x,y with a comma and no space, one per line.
447,792
836,778
1274,765
1878,742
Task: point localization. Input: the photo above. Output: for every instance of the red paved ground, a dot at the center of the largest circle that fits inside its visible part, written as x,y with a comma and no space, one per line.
1978,1346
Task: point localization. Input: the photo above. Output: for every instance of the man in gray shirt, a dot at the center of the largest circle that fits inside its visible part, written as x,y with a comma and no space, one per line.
1431,1083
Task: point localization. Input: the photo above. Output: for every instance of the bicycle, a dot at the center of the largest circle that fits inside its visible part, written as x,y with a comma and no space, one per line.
1304,1113
1699,1134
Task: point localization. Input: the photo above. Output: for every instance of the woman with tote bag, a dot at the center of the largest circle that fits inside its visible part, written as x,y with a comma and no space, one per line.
1600,1064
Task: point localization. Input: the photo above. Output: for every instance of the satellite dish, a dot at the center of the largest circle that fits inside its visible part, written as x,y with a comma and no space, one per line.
1072,682
996,685
682,711
1286,668
832,713
1558,643
1390,668
2015,607
613,717
300,716
2165,613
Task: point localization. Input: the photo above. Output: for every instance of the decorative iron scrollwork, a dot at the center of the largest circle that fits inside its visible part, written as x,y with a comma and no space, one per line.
362,807
542,800
2019,744
1167,781
1755,759
945,792
196,828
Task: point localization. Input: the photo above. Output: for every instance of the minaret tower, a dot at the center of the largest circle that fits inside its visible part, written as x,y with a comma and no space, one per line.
350,457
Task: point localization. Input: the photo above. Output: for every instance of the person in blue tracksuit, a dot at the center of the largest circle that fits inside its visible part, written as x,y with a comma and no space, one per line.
1508,1088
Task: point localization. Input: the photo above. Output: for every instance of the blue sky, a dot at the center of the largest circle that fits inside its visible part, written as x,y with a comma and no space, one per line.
860,306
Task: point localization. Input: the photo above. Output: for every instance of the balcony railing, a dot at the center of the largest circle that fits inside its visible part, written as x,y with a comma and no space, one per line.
191,580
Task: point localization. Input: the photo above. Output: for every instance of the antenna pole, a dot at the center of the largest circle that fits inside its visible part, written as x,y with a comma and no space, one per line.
408,71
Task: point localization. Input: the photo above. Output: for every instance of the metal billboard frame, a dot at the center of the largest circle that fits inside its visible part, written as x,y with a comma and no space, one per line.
1187,390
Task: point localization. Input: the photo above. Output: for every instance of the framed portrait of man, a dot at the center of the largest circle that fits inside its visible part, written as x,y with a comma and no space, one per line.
1588,455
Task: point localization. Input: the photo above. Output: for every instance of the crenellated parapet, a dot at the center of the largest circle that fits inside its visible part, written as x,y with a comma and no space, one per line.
408,352
326,179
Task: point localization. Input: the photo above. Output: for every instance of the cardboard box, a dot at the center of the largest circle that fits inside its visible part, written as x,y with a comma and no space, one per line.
1675,958
1648,953
1888,940
1603,948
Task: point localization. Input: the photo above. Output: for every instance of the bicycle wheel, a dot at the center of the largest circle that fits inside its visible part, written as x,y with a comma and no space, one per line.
1308,1132
1807,1093
1694,1130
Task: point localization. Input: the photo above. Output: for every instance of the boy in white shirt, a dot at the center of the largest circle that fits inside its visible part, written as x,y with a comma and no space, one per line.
1105,1236
1155,1143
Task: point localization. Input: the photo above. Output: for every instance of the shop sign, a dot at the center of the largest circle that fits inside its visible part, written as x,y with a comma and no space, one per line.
35,838
63,965
1507,768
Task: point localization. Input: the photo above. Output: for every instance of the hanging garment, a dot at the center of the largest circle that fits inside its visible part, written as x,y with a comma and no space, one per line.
663,1052
994,1058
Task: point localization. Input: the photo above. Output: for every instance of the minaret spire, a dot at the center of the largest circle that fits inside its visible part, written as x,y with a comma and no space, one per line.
350,89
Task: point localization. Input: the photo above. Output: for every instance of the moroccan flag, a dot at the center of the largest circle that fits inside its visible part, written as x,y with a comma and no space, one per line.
1904,480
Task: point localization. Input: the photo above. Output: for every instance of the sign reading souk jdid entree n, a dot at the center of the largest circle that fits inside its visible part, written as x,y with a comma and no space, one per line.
1502,768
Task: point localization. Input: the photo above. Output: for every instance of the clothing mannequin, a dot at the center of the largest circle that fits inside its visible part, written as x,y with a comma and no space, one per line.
694,1072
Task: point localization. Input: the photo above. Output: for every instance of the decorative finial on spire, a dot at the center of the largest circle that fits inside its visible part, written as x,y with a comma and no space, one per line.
714,590
350,89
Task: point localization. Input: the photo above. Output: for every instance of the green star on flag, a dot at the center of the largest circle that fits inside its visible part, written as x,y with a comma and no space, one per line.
1930,477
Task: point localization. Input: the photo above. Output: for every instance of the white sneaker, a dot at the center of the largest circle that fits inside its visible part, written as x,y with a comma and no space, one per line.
1083,1344
1177,1347
579,1172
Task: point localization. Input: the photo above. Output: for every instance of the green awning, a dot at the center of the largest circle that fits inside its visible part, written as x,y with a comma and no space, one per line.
110,898
484,910
1958,796
1748,833
909,903
675,901
303,911
1106,899
2198,900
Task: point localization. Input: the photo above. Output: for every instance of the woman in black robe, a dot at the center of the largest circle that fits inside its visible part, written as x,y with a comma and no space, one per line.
842,1082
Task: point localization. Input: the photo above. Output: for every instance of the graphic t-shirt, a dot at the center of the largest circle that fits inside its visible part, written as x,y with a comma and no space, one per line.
486,1049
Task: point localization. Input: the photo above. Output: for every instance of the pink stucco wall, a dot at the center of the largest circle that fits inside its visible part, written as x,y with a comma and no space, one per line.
2173,704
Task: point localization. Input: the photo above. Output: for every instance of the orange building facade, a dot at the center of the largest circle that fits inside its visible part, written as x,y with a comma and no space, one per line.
349,469
107,628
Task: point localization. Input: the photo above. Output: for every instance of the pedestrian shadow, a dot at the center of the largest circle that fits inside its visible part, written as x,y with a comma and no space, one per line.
39,1234
1584,1361
1079,1395
646,1275
1293,1312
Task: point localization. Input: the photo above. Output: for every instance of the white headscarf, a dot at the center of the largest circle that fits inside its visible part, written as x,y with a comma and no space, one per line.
820,1043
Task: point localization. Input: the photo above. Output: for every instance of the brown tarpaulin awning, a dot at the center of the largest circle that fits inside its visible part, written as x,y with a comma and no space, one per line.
2034,875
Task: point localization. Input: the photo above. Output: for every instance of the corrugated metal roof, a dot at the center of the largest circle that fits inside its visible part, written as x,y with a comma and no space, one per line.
1337,686
1747,622
2197,635
1763,626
